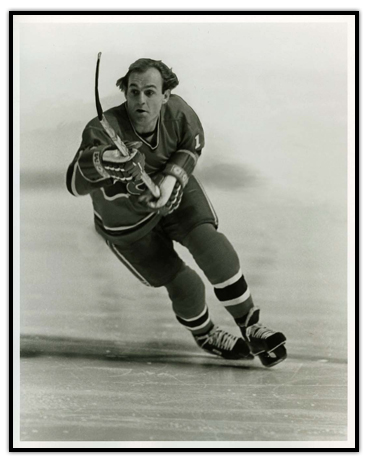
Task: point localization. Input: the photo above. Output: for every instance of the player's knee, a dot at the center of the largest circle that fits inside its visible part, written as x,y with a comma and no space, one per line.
212,251
186,285
201,232
206,238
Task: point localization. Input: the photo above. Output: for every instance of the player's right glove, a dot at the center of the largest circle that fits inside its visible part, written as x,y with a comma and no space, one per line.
124,171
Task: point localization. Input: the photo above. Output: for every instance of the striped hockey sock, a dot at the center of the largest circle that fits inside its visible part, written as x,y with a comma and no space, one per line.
234,294
200,324
187,293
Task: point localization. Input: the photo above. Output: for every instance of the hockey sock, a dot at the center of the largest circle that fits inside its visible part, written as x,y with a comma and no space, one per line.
219,261
187,293
200,324
235,296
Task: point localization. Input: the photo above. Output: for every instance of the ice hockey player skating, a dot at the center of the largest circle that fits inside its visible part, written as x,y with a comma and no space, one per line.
164,138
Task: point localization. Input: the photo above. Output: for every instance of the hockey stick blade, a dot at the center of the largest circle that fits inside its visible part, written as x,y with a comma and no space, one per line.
97,98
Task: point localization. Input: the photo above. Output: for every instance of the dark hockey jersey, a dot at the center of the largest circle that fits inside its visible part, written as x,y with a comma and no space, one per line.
119,217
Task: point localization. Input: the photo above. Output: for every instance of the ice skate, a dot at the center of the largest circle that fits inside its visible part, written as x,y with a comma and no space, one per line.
269,345
219,342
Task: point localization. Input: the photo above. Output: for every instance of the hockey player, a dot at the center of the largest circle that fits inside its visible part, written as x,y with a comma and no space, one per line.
167,139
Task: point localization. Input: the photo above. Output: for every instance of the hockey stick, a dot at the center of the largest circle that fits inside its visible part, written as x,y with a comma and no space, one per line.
154,189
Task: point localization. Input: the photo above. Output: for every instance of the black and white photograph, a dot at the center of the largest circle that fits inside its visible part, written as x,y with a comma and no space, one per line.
184,214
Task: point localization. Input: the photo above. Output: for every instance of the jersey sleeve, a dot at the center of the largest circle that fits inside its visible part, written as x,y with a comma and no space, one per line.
182,163
85,172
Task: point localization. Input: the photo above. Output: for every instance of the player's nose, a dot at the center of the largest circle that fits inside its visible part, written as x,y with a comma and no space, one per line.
141,98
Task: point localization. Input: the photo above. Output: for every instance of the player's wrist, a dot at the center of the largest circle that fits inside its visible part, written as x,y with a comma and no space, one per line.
185,159
176,172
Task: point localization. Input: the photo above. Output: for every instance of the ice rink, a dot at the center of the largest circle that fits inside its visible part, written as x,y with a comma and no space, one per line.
102,357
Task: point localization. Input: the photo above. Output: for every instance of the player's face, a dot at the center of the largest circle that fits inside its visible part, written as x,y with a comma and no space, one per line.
145,99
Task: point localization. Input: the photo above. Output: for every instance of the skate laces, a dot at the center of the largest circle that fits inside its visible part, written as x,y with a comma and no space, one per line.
221,339
258,331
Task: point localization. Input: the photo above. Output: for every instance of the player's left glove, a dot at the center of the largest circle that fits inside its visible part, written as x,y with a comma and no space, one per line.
125,171
170,198
171,182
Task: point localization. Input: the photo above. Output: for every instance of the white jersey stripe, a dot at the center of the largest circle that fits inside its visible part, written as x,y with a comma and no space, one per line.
230,281
238,300
73,185
112,198
130,266
125,227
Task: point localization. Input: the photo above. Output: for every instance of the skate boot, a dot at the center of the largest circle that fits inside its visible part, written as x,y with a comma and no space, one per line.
219,342
269,345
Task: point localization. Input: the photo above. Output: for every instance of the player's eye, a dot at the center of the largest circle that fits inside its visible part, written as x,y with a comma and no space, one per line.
134,92
150,92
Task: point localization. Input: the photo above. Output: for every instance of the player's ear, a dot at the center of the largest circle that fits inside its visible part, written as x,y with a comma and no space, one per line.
167,94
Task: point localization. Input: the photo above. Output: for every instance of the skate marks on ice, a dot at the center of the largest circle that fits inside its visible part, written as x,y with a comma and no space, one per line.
83,389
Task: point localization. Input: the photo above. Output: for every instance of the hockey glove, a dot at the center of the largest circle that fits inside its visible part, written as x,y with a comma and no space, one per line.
171,195
124,171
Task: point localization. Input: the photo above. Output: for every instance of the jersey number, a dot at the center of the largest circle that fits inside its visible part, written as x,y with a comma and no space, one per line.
198,144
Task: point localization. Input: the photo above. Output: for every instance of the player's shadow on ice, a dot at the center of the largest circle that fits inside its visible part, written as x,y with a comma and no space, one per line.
139,352
229,176
153,352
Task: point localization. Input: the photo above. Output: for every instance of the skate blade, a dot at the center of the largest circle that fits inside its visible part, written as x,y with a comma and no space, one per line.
218,353
272,358
276,347
282,341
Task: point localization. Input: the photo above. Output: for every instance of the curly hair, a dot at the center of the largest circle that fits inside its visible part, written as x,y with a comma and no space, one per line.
169,78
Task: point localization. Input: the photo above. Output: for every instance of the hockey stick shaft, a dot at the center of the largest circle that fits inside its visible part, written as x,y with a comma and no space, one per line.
146,179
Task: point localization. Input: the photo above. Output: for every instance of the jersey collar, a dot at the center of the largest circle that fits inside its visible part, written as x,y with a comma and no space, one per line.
141,138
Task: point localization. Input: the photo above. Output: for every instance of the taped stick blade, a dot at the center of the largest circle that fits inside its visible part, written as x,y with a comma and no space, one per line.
97,98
